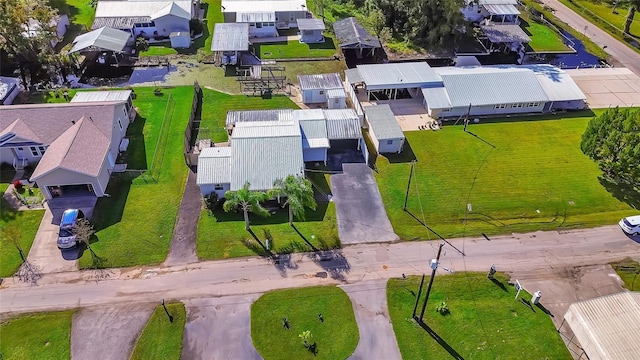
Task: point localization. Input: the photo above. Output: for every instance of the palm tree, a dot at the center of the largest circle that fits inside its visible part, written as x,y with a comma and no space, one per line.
248,201
299,195
634,5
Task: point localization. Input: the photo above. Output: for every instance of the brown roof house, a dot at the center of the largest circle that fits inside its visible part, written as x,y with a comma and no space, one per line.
73,146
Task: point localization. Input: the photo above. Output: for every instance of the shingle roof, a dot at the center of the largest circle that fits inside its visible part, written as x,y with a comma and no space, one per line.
104,38
383,122
214,165
310,24
264,152
350,34
230,37
319,81
342,124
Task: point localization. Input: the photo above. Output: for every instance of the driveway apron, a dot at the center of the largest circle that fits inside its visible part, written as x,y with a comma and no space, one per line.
219,328
44,253
377,339
108,333
183,243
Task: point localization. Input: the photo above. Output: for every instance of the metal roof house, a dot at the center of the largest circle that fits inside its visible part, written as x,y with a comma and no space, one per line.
102,39
607,327
324,89
352,36
214,170
73,145
229,41
384,131
264,17
9,89
502,11
310,30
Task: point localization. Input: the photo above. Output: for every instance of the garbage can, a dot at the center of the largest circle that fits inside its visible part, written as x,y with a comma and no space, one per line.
536,297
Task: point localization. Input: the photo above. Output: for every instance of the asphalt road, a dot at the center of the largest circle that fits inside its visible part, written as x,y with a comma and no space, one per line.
621,52
532,253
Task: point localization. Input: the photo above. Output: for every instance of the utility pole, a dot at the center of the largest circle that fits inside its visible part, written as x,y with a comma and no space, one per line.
406,195
415,307
434,267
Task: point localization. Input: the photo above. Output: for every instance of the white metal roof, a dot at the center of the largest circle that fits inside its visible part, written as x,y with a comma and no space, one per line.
150,8
382,122
336,93
436,98
264,152
490,85
342,124
556,83
497,2
263,5
314,133
398,75
103,38
310,24
172,9
607,327
319,81
230,37
214,166
251,17
234,117
501,9
97,96
352,76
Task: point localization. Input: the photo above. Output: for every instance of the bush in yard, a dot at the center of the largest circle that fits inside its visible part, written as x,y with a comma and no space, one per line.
141,44
443,308
196,26
17,185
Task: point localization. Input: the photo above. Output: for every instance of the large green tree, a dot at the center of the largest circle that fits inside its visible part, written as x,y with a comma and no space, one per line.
248,201
299,194
634,5
26,31
612,139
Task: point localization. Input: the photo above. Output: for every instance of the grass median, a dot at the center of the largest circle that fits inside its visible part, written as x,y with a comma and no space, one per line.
161,338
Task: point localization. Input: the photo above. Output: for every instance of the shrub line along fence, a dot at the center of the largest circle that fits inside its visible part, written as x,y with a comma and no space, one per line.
194,119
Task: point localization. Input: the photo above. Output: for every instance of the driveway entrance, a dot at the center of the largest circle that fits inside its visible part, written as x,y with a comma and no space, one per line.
361,214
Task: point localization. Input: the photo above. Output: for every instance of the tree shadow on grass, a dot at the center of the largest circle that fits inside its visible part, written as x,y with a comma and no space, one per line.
278,216
622,191
440,340
327,44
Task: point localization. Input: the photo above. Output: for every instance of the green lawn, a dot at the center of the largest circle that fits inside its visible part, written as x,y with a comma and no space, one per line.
543,38
214,15
37,336
135,225
222,235
485,321
296,49
603,10
160,49
216,104
162,339
25,223
335,338
629,271
536,178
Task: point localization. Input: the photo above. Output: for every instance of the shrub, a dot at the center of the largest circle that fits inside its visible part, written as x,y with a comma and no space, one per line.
196,26
17,185
443,308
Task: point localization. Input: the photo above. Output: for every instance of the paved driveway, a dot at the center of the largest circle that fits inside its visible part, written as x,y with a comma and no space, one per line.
608,87
377,339
361,214
219,328
108,333
183,243
44,253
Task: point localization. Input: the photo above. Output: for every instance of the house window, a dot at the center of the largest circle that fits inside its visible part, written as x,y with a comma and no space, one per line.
218,187
500,106
42,149
120,124
535,104
259,25
34,151
389,142
321,92
446,110
90,187
292,18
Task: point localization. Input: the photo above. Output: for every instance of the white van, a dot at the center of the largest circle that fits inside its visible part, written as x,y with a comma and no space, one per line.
631,225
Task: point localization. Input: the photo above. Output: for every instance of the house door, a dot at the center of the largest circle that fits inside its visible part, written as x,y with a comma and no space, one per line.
20,153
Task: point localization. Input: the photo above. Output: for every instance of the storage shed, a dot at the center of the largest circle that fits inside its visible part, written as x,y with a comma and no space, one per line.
386,135
310,30
214,170
323,88
180,39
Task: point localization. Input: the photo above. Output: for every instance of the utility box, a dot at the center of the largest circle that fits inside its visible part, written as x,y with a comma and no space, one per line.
536,297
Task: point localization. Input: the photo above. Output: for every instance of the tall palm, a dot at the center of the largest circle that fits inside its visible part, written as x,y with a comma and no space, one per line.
634,5
299,195
248,201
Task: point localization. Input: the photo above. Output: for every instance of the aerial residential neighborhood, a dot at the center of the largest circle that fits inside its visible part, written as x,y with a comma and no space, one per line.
319,179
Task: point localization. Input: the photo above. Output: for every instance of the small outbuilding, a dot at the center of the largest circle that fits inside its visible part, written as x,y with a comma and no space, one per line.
180,39
229,40
9,89
352,36
323,89
214,170
310,30
386,135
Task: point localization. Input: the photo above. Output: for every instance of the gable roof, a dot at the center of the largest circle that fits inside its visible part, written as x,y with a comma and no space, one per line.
82,149
319,81
230,37
103,38
351,35
121,14
171,9
97,96
310,24
403,75
214,165
231,6
383,122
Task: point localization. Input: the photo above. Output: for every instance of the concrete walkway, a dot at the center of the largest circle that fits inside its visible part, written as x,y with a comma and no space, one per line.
44,253
377,339
108,333
183,243
219,328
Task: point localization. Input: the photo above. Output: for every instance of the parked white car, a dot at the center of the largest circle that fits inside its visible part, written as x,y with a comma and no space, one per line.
631,225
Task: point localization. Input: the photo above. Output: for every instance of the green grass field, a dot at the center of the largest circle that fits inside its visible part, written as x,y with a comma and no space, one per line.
336,337
629,271
536,178
214,15
543,38
159,50
37,336
135,225
25,225
80,11
216,104
485,321
296,49
603,10
162,339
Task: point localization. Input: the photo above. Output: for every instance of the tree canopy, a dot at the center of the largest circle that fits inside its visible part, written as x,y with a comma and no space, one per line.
248,201
612,139
299,195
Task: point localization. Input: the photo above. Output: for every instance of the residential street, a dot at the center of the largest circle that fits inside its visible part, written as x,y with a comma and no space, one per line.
532,254
621,52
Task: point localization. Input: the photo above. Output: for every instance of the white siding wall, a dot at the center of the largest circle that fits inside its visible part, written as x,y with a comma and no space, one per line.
117,132
167,24
61,177
264,31
487,110
314,96
311,36
374,139
338,103
394,147
314,155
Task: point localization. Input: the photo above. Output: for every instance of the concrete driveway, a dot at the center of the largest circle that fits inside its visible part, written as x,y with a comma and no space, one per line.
108,333
219,328
608,87
44,253
377,339
361,214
